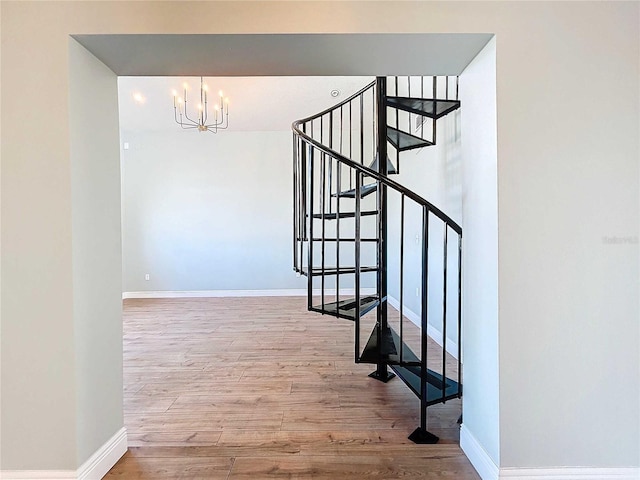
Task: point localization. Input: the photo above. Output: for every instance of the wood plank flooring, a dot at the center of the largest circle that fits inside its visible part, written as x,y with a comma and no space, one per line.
259,388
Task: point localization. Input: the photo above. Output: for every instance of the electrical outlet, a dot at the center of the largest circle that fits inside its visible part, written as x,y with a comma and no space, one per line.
417,238
417,292
146,276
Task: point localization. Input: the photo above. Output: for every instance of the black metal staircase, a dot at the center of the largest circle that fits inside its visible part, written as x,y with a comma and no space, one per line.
341,238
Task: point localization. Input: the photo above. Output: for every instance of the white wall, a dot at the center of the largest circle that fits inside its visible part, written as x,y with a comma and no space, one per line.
97,271
480,251
567,177
207,212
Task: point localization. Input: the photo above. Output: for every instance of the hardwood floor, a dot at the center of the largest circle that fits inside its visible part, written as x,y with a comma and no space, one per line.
253,388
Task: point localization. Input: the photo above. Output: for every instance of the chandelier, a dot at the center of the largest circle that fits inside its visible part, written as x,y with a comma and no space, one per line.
201,120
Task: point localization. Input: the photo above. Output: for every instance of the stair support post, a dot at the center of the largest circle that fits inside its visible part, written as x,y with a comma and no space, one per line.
381,373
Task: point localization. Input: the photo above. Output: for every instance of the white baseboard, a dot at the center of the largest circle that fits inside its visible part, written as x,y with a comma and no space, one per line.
479,458
38,475
488,470
282,292
94,468
105,458
433,332
570,473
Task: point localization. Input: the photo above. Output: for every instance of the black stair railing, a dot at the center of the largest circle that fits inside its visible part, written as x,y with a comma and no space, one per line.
341,240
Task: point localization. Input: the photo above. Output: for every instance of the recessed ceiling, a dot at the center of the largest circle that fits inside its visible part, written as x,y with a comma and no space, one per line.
256,103
287,54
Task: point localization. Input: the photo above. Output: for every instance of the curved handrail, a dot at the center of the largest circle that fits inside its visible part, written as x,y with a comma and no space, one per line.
372,173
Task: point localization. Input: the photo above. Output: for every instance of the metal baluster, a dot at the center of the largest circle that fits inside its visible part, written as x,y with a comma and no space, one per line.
435,95
362,129
350,144
323,179
339,166
357,265
401,275
304,181
424,319
310,264
330,161
459,315
296,207
422,118
373,123
457,86
444,316
409,95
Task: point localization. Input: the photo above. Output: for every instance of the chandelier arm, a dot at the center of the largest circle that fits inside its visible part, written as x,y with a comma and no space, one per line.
187,116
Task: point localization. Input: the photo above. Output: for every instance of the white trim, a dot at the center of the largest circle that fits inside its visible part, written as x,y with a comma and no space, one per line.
105,457
479,458
95,468
433,332
488,470
37,475
571,473
282,292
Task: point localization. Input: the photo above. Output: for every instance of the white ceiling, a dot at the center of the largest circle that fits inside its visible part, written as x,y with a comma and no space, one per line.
256,103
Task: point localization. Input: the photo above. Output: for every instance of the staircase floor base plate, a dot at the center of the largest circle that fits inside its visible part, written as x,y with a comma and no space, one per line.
422,437
384,379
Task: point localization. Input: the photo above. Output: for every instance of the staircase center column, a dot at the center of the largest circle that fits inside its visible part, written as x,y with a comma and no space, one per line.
381,372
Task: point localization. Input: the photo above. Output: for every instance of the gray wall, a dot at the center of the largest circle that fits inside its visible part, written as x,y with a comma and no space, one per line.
207,212
97,271
567,177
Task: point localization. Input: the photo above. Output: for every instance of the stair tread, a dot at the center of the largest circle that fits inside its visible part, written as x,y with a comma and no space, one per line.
391,169
334,216
364,191
411,377
342,270
409,369
432,108
347,307
344,239
405,141
390,337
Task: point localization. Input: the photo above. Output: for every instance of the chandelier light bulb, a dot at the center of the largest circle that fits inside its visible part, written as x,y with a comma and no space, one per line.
174,92
185,85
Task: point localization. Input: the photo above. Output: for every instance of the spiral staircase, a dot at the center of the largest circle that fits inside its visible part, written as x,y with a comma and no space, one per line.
364,240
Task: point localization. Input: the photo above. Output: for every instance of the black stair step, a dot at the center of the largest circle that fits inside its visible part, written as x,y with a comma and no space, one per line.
426,107
410,368
391,169
347,308
389,355
345,239
342,270
334,216
411,377
364,191
405,141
